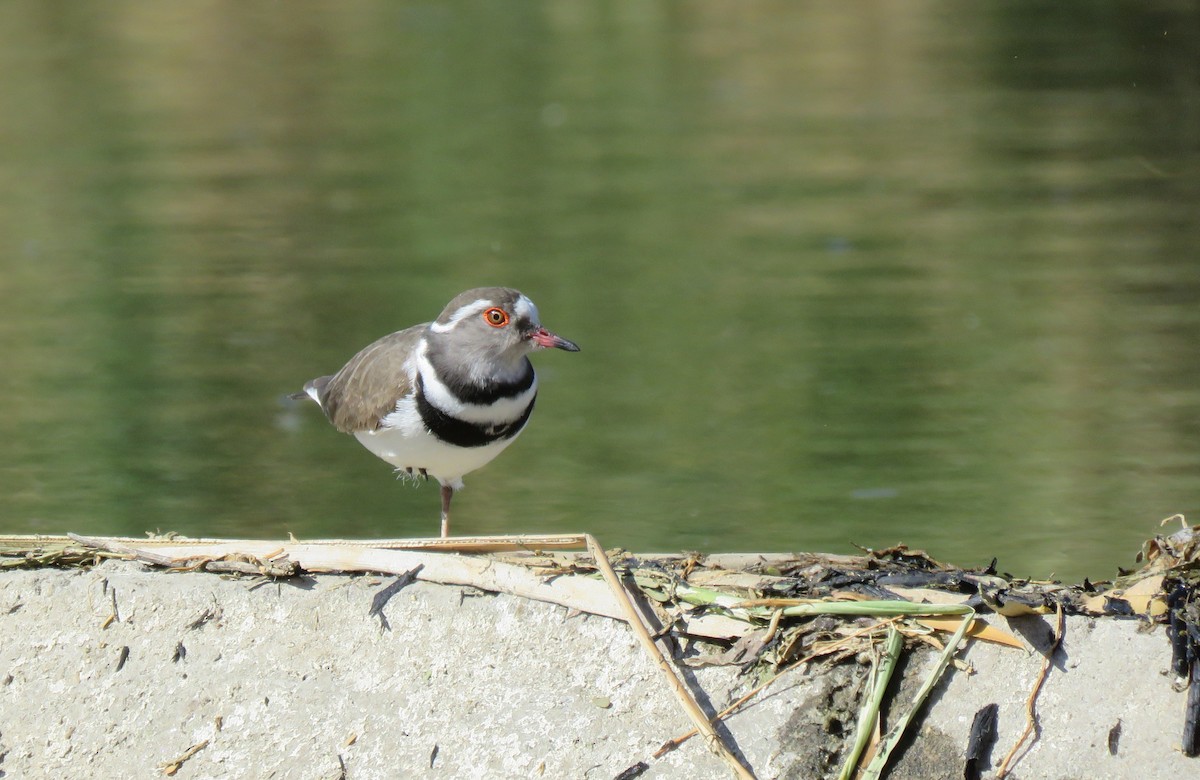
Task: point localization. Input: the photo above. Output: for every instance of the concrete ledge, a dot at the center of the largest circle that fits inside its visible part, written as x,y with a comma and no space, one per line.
290,681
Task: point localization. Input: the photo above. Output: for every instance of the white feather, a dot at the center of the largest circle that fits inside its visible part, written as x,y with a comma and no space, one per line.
502,411
466,311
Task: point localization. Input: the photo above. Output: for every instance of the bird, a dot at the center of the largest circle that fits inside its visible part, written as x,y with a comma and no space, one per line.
443,398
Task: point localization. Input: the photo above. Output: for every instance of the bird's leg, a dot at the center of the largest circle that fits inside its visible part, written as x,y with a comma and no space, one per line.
447,494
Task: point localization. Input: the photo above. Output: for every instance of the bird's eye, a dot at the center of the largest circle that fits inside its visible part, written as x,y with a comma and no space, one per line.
496,317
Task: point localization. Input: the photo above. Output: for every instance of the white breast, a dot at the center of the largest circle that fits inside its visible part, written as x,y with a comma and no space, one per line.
412,447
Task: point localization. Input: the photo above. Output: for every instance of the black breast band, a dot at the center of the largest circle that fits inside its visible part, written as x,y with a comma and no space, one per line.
462,433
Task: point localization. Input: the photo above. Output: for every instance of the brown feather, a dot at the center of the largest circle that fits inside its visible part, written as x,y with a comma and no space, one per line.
366,390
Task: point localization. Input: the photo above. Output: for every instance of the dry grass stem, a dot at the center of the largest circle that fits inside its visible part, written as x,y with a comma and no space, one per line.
1031,722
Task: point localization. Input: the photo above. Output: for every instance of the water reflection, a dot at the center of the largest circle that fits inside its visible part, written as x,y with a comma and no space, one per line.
841,273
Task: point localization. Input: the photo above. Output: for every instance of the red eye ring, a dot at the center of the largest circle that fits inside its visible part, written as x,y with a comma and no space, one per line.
496,317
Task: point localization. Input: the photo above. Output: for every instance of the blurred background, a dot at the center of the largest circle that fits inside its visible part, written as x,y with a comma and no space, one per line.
842,273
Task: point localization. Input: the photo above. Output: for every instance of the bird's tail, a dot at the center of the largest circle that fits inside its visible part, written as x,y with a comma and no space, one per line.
312,389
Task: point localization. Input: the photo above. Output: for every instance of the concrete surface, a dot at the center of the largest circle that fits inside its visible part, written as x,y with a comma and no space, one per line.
287,681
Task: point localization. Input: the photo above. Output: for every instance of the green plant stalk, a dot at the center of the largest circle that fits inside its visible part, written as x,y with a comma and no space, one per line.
705,597
876,609
869,713
875,769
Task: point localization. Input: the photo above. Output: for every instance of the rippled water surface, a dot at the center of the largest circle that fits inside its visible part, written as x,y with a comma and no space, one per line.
843,273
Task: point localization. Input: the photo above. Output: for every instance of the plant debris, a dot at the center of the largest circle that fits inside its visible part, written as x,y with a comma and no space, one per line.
169,768
764,614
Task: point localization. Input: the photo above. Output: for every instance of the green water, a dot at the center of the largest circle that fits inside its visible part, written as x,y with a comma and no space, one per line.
843,273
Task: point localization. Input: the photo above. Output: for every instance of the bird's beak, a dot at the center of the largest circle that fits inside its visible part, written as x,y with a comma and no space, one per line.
545,339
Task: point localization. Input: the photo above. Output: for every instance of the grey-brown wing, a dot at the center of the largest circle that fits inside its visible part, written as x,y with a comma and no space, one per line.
366,390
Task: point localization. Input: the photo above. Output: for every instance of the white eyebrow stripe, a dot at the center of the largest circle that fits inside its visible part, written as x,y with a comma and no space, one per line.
466,311
525,308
